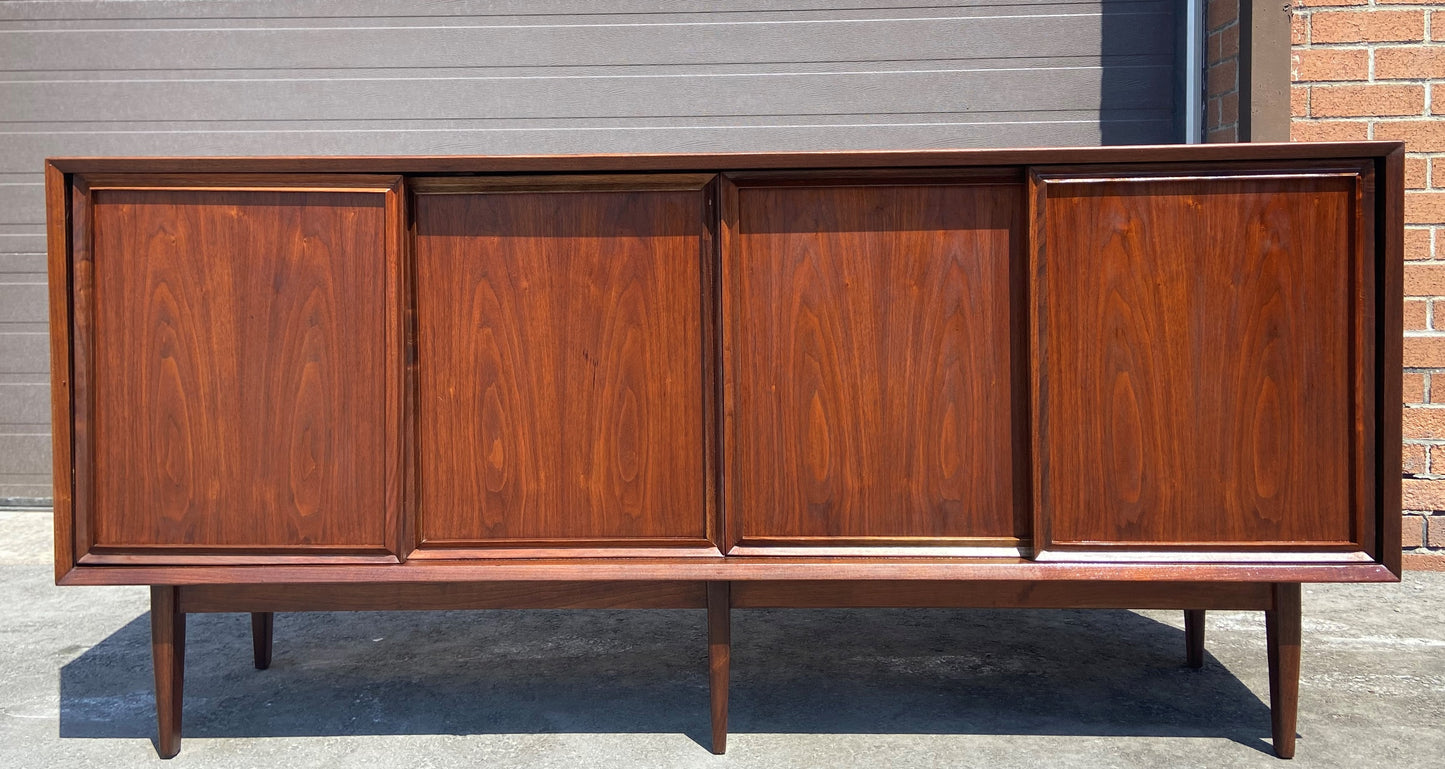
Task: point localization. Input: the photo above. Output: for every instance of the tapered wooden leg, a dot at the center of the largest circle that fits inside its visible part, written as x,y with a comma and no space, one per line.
1282,626
262,623
168,654
719,653
1194,637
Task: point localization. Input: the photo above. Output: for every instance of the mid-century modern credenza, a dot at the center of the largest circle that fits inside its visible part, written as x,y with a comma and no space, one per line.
1137,377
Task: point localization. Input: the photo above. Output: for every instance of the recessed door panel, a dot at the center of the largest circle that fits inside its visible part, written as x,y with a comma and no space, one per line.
560,363
234,366
871,376
1199,360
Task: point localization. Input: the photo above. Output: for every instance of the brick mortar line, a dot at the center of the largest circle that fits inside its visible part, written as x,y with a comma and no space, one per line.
1385,83
1380,84
1305,10
1390,82
1234,22
1334,83
1366,45
1308,9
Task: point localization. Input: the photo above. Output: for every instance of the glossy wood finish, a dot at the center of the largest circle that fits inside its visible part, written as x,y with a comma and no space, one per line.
168,656
263,625
1194,638
1196,361
59,266
883,175
869,364
233,343
1282,629
560,359
719,660
1390,287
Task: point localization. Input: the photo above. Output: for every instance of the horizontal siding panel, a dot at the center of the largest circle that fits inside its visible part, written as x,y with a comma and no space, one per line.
27,150
714,69
465,45
25,353
25,405
24,263
895,120
18,246
660,14
23,303
22,203
25,454
71,10
942,91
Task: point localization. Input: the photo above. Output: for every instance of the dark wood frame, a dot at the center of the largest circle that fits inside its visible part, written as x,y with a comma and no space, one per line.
840,573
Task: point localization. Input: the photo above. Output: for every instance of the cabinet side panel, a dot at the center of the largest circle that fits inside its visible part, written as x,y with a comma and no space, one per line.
1198,361
560,367
871,342
239,369
57,236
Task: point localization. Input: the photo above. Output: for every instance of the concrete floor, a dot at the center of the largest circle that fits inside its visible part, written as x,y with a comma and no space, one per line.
876,688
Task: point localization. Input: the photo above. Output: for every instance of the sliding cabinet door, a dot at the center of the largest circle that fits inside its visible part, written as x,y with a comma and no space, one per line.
1202,343
563,365
874,388
236,369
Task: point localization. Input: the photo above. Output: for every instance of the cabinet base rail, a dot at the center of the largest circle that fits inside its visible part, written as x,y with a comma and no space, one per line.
1279,601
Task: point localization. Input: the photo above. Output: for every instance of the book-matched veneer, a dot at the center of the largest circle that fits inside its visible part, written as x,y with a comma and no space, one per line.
1122,377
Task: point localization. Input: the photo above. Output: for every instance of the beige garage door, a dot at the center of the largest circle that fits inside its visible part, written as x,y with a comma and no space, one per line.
239,77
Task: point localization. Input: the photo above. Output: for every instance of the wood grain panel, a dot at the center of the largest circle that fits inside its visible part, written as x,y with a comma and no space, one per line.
58,262
870,390
1197,350
560,359
238,364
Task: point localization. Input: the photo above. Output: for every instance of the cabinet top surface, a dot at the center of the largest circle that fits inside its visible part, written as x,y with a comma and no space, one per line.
731,161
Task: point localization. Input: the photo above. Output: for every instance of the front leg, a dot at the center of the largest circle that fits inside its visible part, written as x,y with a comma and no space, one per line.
1282,628
168,655
719,652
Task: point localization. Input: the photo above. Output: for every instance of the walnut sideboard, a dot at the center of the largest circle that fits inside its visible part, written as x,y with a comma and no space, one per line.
1132,377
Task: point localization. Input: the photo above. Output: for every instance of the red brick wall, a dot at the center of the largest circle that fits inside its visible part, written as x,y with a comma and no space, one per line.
1375,69
1221,71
